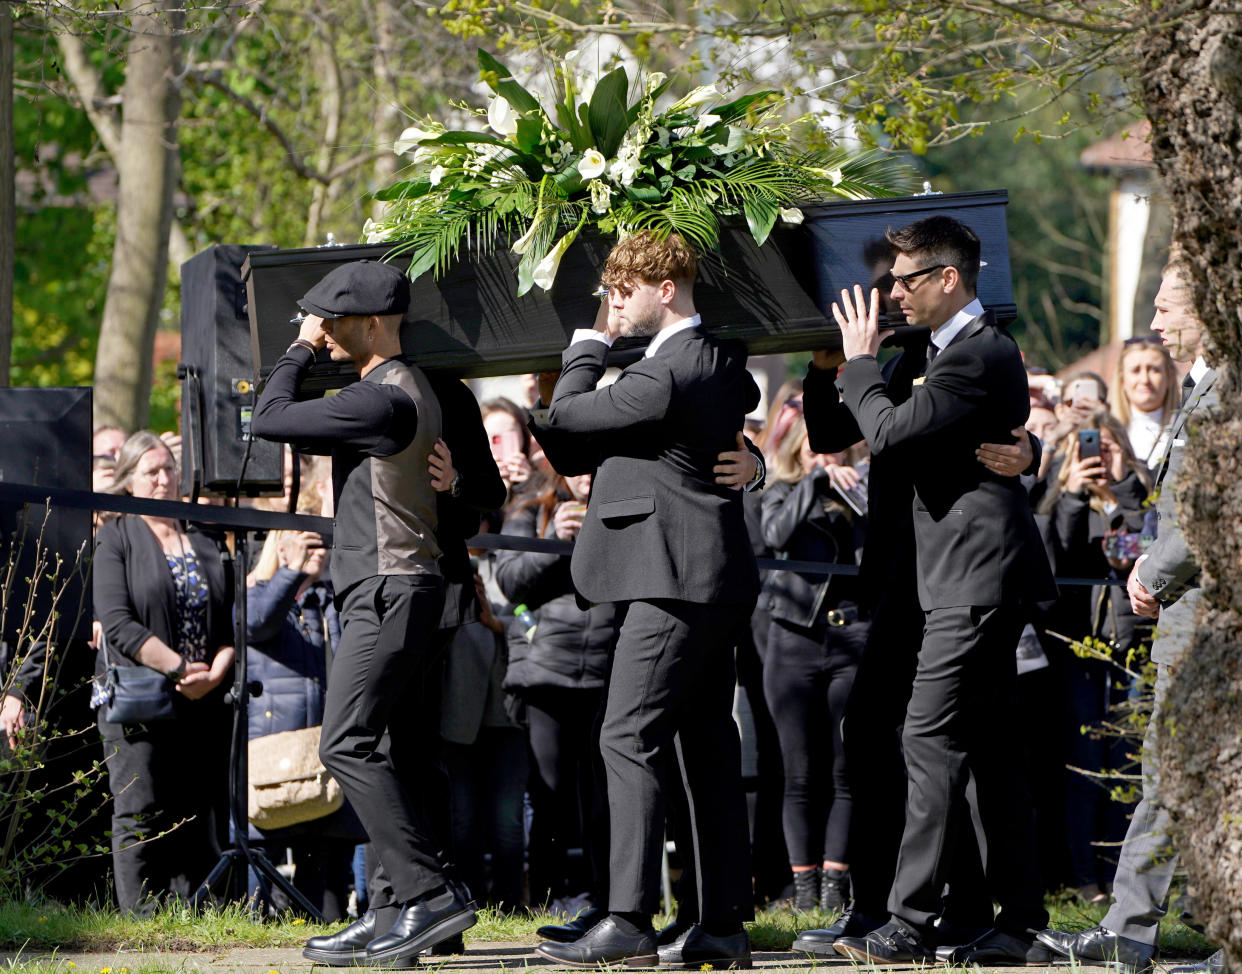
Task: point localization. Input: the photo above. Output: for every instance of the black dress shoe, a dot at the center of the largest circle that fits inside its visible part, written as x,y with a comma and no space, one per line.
819,943
1213,965
575,929
996,948
448,947
1100,945
697,947
345,947
675,931
611,940
420,925
892,943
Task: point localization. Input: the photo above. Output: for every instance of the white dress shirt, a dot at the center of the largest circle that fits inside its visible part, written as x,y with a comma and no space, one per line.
949,330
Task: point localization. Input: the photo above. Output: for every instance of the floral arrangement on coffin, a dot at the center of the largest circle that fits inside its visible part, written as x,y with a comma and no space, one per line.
607,158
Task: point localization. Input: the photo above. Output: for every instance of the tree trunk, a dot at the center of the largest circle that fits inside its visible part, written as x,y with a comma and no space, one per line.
8,194
147,162
1191,77
387,121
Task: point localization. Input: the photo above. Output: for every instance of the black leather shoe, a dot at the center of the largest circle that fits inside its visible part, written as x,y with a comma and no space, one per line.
997,948
697,947
611,940
1102,946
675,931
892,943
345,947
448,947
1213,965
575,929
420,925
819,943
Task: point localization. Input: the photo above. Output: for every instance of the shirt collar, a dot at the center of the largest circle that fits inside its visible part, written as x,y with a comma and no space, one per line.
1199,370
948,331
664,334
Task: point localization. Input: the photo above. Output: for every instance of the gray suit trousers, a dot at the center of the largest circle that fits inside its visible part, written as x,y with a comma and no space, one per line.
1145,867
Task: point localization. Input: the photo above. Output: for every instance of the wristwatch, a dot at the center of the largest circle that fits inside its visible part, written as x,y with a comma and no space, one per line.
455,487
177,672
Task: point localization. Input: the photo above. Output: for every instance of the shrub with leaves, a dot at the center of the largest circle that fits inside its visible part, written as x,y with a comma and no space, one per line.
607,156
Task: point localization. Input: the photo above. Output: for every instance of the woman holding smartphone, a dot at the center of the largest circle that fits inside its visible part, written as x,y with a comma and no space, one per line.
1095,504
510,441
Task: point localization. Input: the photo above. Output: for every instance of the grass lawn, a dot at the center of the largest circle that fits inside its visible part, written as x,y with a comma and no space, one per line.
41,926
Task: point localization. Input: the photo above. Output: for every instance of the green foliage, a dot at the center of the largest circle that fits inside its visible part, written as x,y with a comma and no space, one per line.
619,164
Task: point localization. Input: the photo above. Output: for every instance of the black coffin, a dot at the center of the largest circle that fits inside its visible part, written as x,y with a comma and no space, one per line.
775,298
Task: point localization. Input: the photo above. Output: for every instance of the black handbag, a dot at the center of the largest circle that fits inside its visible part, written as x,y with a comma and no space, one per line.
131,694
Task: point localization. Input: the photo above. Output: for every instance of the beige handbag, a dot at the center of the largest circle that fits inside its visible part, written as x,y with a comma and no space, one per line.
288,782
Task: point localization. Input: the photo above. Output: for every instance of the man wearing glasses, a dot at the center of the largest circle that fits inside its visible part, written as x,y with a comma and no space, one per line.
978,563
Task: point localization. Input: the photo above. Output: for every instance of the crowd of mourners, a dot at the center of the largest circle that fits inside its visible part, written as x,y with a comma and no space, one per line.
521,689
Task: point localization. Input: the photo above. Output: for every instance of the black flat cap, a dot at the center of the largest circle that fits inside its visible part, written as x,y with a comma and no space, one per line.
362,287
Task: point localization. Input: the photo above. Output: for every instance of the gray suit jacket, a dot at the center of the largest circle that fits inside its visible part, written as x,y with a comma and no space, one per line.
657,526
1170,571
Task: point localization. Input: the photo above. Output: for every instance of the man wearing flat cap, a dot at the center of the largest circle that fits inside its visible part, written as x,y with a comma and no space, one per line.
380,432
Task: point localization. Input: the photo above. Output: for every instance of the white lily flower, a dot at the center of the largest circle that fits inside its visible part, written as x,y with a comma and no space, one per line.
545,271
837,176
791,214
501,116
436,174
522,244
591,164
410,138
705,122
373,232
654,80
700,96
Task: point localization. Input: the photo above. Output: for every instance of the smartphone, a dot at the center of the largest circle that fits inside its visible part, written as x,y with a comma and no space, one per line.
1088,444
505,445
1083,391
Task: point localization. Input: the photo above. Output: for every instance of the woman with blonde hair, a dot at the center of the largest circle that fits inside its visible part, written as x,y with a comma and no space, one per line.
1145,394
814,644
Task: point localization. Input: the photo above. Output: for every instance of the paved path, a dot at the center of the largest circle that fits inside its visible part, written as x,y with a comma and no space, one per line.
478,957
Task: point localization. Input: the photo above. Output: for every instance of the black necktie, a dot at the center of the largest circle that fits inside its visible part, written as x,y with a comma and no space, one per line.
1188,386
932,351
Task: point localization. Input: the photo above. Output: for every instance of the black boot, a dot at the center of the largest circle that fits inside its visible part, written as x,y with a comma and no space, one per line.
806,890
349,946
834,895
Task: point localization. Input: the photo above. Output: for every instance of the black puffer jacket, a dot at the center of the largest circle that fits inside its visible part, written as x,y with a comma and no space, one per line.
570,647
800,522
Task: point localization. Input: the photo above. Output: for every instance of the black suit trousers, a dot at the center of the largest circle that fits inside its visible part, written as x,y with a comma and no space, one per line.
388,643
670,712
958,727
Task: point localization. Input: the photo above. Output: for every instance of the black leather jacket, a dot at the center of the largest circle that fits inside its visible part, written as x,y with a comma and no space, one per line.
800,525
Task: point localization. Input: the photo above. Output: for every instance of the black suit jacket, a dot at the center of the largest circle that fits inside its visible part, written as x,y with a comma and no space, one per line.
976,539
888,550
657,526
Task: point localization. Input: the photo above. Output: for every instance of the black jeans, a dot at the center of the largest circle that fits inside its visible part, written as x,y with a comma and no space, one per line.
487,781
174,772
388,642
564,751
807,677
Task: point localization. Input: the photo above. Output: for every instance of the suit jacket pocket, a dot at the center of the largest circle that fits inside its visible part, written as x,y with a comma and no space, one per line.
631,507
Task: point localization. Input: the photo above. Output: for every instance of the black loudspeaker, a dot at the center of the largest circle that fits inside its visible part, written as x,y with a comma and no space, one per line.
45,439
217,394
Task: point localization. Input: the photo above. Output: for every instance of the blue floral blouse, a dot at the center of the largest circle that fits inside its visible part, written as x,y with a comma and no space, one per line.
192,600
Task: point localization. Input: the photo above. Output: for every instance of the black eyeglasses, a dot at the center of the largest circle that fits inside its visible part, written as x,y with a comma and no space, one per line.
1143,340
905,279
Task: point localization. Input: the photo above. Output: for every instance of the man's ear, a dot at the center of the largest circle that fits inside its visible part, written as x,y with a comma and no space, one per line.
668,291
952,278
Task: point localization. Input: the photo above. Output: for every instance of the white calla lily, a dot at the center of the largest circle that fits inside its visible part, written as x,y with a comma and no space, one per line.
373,233
700,96
706,122
545,270
837,176
410,138
437,174
791,215
592,164
501,116
522,244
